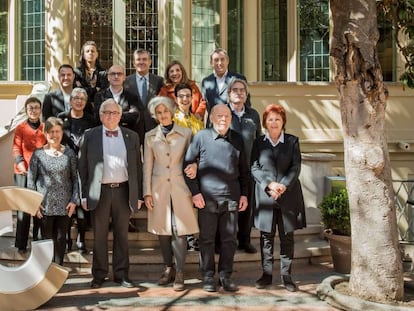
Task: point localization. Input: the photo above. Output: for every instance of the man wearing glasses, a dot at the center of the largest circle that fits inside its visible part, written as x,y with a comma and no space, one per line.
110,170
245,121
130,114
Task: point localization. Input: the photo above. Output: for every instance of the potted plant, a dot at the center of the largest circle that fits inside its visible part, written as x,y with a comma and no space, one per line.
335,218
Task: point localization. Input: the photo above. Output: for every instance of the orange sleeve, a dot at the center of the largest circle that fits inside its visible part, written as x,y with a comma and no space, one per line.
198,107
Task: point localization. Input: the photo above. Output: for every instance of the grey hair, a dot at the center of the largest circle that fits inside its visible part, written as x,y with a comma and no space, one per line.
234,81
108,102
78,90
161,100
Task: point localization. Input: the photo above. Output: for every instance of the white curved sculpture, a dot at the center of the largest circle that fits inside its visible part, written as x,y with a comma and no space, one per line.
33,283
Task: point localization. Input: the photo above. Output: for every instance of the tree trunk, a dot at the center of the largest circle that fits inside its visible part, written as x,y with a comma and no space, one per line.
376,272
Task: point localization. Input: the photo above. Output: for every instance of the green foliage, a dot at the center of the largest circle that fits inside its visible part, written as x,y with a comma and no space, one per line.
400,13
335,212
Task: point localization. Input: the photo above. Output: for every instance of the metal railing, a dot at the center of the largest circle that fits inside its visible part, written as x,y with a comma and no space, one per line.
404,205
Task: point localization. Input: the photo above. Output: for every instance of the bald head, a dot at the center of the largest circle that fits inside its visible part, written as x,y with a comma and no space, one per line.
220,118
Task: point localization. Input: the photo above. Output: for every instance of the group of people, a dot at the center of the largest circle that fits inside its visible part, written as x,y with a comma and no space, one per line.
206,169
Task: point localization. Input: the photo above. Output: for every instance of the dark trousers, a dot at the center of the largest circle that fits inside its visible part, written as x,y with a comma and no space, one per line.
114,204
225,222
55,228
286,246
245,222
82,218
23,219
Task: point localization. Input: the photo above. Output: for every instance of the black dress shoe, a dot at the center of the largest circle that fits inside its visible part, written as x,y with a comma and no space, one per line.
250,249
209,284
265,280
228,285
125,282
288,283
96,283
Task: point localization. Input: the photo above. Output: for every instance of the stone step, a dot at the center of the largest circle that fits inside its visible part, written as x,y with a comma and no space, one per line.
309,246
144,249
312,252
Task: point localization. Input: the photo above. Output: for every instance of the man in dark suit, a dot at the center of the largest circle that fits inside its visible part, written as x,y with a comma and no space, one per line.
130,113
58,101
110,170
219,192
214,86
143,85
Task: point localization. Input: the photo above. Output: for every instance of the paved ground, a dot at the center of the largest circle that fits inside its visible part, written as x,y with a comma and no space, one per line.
76,294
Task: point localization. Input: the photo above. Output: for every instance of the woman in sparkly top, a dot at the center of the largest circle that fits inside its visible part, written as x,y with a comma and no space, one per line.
53,173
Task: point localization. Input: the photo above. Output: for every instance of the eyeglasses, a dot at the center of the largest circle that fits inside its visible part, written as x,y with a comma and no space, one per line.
184,96
116,74
110,113
236,90
79,98
32,108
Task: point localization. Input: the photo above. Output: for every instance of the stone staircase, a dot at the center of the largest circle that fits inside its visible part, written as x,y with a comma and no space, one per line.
144,249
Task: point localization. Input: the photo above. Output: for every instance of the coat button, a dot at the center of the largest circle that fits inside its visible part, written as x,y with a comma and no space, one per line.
168,179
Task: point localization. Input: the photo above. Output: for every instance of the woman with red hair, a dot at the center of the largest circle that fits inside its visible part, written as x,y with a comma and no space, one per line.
276,161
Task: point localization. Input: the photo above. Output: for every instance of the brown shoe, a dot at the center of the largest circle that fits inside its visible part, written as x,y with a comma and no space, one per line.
179,282
167,276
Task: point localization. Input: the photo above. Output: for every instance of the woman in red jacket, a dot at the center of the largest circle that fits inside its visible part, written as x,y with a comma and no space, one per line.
174,74
28,136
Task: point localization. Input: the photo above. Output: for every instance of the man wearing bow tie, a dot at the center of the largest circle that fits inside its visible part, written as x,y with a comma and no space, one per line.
110,170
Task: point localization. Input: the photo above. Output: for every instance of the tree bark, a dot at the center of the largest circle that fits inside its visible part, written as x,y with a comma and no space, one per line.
376,272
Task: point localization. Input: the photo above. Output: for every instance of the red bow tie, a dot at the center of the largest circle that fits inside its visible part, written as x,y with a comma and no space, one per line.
111,133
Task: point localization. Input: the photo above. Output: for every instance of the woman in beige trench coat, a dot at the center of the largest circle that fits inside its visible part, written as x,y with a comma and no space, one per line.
170,208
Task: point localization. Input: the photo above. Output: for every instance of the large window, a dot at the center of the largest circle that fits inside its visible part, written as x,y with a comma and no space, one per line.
96,25
386,49
235,33
313,44
33,40
142,31
274,40
205,35
3,40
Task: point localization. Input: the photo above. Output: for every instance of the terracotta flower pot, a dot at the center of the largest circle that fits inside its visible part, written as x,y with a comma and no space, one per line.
340,251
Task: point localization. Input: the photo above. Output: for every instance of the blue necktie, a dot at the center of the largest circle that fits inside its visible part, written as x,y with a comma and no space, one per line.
144,90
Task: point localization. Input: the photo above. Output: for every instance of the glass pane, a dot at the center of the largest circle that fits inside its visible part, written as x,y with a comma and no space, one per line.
274,40
386,48
96,25
3,40
313,16
175,29
142,31
235,34
205,35
33,37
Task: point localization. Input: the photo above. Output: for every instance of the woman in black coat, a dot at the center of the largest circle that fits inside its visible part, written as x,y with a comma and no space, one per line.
276,162
90,75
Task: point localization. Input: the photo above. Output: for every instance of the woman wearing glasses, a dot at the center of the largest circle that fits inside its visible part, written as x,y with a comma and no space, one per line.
174,74
28,136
